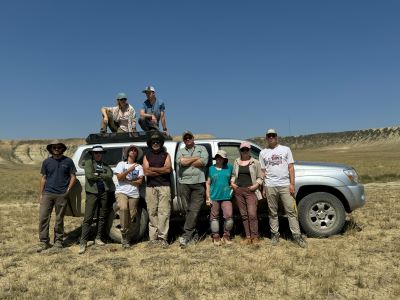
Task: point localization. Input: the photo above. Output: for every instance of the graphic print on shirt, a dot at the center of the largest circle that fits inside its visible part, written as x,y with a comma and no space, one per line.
275,160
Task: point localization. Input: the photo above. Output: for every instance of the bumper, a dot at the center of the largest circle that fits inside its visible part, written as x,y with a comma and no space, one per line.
355,195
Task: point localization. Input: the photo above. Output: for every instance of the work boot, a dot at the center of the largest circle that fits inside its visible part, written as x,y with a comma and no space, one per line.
58,244
227,240
298,239
42,246
275,239
125,242
163,243
98,241
183,242
82,248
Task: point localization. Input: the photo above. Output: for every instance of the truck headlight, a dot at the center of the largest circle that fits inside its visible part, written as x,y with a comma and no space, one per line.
352,175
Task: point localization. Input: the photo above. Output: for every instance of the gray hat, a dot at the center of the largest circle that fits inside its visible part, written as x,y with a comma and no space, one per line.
149,89
122,96
97,148
56,142
221,153
187,132
138,149
271,131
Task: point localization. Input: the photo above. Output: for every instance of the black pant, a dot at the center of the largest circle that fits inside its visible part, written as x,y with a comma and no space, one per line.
193,194
147,125
96,204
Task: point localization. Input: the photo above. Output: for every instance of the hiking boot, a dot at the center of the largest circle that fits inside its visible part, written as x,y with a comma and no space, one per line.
183,242
124,242
216,241
82,248
246,241
274,239
99,242
227,240
58,244
103,131
152,243
298,239
163,243
42,246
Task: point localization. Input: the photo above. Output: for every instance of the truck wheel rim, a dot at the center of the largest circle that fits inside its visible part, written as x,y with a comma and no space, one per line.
322,215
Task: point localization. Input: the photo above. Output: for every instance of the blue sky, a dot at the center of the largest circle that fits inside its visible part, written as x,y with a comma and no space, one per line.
229,68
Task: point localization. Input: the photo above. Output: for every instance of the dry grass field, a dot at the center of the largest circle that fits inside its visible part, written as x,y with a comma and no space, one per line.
361,263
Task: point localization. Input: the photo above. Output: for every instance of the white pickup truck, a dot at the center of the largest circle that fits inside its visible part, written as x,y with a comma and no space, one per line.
324,192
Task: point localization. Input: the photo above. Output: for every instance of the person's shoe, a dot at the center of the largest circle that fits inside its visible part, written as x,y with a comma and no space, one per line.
99,242
298,239
124,242
227,240
183,242
103,131
274,239
163,243
82,248
42,246
152,244
246,241
217,241
58,244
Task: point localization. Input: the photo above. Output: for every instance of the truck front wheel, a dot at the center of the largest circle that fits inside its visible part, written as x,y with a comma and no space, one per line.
321,214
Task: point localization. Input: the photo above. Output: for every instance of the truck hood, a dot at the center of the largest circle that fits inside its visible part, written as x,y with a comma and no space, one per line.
308,165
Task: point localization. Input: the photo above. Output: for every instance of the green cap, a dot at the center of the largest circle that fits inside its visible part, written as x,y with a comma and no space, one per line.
122,96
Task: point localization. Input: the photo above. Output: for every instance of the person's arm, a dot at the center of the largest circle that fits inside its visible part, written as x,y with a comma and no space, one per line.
144,115
133,120
72,181
138,181
187,161
146,168
41,187
208,199
107,174
202,160
166,169
291,177
104,111
89,172
233,176
163,122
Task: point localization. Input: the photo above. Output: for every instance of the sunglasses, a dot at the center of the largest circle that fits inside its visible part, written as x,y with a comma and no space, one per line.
270,136
56,147
123,99
97,153
187,138
156,142
244,150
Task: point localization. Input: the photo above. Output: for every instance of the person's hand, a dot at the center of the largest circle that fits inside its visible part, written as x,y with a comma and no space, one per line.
291,189
153,119
208,201
40,198
132,167
264,192
253,187
105,119
234,186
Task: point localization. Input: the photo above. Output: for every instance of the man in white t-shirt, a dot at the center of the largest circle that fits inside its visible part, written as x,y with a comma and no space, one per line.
277,164
130,176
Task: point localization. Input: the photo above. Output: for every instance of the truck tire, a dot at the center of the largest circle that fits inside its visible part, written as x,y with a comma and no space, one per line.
137,230
321,214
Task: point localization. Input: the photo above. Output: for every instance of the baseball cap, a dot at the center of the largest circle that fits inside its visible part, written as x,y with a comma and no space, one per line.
122,96
271,131
149,89
245,144
221,153
187,132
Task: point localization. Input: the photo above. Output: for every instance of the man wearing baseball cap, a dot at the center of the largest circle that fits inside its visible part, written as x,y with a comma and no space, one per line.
277,164
119,118
153,110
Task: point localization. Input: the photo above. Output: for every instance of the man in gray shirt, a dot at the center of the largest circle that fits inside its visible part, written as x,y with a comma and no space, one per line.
192,161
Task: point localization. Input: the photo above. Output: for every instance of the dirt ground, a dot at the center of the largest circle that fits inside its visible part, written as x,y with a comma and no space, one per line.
361,263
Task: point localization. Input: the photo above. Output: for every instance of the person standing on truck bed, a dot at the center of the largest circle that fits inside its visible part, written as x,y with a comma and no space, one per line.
130,176
157,168
119,118
152,112
58,177
192,161
100,188
277,165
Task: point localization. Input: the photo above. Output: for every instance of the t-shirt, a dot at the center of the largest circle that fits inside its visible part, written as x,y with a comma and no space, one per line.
124,187
58,174
220,182
275,162
154,109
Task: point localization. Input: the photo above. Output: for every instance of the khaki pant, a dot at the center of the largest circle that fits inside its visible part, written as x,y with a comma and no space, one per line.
289,204
59,202
112,124
158,200
127,210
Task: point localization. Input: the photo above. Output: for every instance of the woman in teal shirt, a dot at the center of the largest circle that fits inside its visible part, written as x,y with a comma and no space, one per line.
219,193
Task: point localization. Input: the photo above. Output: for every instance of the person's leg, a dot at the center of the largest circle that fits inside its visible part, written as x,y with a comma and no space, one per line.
90,210
133,204
60,209
273,198
147,125
46,207
251,201
112,124
104,200
164,211
122,202
152,209
289,204
228,220
196,200
214,219
242,205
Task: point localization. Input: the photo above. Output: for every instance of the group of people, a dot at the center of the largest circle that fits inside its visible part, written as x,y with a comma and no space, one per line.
122,116
248,180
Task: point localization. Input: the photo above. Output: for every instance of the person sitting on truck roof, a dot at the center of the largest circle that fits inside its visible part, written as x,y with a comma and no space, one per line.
157,167
130,176
119,118
152,112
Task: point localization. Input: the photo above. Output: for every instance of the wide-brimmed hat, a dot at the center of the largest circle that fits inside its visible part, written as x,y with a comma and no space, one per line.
155,136
221,153
56,142
129,148
97,148
149,89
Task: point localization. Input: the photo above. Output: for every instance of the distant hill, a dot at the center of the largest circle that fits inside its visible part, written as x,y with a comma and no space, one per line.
387,136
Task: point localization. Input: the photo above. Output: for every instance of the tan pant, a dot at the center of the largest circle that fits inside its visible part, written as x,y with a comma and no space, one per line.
127,210
59,202
289,204
158,201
